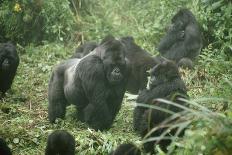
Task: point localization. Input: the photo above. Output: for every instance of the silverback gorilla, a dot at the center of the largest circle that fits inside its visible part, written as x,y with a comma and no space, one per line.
9,61
95,84
60,142
183,41
139,59
165,83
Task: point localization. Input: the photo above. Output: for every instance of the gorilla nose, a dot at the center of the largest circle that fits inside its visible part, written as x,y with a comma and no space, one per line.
116,70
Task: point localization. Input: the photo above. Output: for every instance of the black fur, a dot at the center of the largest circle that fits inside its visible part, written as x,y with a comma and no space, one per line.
126,149
165,83
84,49
9,61
139,59
60,142
183,39
4,149
95,84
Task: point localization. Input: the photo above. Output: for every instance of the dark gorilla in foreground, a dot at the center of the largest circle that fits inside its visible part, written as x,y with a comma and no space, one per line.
60,142
126,149
183,41
165,83
9,61
4,149
140,61
95,84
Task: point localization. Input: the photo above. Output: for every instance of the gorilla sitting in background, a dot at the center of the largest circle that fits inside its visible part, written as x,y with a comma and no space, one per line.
9,61
95,84
60,142
183,41
139,59
126,149
4,149
84,49
165,83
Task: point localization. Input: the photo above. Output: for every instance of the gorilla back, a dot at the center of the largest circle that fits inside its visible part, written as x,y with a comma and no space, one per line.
95,84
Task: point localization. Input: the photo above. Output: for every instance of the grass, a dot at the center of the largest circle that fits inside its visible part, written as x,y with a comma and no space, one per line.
23,113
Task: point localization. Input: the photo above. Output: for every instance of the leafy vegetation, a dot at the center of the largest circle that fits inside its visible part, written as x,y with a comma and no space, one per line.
23,115
34,21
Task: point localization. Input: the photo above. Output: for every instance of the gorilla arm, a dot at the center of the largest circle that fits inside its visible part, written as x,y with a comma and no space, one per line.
169,40
160,91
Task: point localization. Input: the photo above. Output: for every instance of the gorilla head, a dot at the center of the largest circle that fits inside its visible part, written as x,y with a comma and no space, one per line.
60,142
112,53
163,72
181,19
126,149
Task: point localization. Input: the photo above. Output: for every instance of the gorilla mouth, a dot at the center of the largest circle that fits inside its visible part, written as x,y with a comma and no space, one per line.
115,76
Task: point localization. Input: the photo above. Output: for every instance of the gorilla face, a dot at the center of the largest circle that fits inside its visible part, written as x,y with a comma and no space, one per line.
6,53
181,19
163,72
114,62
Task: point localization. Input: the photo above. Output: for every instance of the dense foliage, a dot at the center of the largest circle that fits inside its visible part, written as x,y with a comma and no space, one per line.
34,21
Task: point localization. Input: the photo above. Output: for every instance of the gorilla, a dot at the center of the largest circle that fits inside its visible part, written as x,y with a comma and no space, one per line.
139,59
166,83
4,149
126,149
60,142
183,41
95,83
84,49
9,61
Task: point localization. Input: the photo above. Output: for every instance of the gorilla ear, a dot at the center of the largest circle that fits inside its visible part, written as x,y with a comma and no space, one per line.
107,39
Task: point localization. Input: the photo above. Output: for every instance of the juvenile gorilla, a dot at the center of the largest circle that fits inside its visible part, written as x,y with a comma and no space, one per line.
95,84
9,61
60,142
183,41
126,149
165,83
139,59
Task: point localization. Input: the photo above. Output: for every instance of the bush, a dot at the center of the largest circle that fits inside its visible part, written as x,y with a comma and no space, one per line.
32,21
215,17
